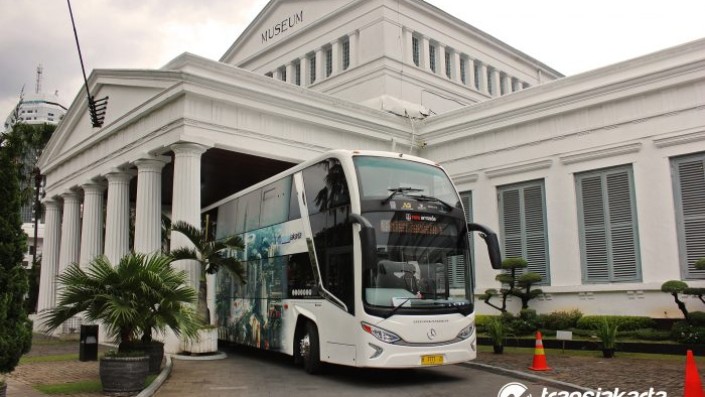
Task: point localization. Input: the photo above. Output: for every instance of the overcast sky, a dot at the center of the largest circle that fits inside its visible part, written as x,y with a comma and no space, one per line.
569,36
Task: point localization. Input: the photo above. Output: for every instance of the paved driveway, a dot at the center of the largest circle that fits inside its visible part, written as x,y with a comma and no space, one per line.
254,373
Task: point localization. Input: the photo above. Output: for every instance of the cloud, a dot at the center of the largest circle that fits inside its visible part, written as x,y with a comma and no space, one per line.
114,34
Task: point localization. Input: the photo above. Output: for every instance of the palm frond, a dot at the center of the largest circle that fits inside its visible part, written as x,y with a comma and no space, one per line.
193,234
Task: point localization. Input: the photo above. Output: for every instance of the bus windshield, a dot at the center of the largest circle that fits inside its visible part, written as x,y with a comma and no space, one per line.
395,178
421,245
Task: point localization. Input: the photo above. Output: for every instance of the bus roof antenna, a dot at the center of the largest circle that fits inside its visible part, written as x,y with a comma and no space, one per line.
96,107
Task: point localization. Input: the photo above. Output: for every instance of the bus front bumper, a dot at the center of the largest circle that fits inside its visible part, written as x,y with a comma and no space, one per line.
381,355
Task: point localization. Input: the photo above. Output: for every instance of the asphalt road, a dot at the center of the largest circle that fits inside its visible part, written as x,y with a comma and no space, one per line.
247,372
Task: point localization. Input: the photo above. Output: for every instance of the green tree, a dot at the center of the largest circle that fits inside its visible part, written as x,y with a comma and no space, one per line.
15,327
515,284
675,287
140,295
211,256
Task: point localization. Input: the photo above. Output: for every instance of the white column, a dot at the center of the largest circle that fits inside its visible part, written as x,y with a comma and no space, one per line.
354,46
470,65
305,71
319,64
337,58
456,73
442,60
290,78
148,209
483,79
506,84
496,82
70,231
92,227
186,200
425,51
407,46
117,224
50,256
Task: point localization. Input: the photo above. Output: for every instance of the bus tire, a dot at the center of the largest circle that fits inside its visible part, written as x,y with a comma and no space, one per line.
310,349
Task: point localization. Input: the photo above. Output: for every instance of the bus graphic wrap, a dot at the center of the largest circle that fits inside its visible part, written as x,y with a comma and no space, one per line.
250,314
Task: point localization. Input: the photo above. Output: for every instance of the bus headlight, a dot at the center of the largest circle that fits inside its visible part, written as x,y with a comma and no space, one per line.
379,333
466,332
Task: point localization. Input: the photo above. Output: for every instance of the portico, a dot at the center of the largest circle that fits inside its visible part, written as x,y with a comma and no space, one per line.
203,132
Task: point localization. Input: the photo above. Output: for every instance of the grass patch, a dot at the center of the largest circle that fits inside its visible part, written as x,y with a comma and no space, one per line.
48,359
84,386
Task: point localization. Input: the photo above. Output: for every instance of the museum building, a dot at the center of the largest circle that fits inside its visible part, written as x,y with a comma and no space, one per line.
596,179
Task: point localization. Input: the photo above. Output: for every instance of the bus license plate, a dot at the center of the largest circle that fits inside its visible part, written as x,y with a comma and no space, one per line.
432,359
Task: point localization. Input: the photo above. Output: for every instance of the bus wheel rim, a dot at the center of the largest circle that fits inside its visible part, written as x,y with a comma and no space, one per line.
305,346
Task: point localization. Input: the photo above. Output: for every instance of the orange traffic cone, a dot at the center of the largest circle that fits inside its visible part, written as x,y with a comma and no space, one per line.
693,386
539,356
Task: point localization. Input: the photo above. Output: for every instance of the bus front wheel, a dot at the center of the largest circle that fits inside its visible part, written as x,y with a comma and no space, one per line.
310,350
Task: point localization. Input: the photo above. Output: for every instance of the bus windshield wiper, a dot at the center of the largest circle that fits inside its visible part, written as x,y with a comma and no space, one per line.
422,197
397,307
400,189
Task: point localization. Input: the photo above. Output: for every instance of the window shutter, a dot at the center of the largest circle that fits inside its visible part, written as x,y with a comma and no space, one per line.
523,224
534,219
690,203
511,223
594,232
608,225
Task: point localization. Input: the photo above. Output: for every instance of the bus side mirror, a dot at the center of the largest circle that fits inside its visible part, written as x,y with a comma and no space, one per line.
492,242
368,241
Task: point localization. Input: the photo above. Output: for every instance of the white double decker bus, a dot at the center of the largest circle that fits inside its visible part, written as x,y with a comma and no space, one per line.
357,258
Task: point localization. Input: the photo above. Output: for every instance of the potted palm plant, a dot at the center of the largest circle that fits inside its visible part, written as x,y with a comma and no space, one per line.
140,295
497,331
607,333
210,256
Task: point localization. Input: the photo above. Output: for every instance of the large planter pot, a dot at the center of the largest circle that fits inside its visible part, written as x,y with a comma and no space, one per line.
154,349
123,376
608,353
206,343
498,349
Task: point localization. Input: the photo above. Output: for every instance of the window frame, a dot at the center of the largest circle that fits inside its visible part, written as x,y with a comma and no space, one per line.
610,227
683,220
525,245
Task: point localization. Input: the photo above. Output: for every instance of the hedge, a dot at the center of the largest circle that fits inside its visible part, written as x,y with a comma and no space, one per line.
625,323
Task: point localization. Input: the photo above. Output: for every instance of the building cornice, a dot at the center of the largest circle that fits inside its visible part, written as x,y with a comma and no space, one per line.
600,153
514,169
678,65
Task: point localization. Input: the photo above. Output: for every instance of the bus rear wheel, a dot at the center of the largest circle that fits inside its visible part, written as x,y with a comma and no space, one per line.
310,350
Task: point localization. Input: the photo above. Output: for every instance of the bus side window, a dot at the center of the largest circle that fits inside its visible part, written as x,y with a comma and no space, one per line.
328,202
299,275
294,209
275,202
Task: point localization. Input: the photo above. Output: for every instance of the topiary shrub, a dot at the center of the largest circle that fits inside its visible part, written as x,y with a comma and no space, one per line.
686,333
625,323
675,287
526,323
697,318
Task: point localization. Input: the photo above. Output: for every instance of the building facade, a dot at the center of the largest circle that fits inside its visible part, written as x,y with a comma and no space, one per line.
596,179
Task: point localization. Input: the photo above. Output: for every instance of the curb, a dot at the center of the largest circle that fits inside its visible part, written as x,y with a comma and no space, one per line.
209,357
159,380
527,376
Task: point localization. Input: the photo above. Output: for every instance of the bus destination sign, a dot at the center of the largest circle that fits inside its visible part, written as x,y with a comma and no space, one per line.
412,224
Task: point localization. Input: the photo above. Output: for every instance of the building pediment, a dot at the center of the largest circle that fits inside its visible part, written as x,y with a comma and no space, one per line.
278,20
126,90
